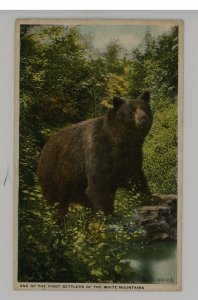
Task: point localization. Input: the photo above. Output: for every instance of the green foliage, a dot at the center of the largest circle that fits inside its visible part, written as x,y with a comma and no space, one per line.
112,55
85,248
116,85
64,80
154,66
161,148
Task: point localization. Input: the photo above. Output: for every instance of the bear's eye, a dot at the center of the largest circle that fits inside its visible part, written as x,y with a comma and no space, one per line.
145,109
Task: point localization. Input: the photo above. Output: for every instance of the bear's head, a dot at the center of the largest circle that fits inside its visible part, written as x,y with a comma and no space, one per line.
133,115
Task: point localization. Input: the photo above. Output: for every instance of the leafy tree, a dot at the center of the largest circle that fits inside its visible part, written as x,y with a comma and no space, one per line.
155,66
113,55
142,56
116,85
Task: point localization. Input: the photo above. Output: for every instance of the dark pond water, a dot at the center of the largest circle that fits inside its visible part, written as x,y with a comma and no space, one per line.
153,262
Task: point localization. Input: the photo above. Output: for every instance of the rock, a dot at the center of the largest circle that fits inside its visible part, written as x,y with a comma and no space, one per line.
159,219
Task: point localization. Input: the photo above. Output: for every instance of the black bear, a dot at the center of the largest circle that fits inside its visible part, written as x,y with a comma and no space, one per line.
86,162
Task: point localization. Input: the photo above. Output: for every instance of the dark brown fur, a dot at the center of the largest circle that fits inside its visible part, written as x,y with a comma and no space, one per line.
86,162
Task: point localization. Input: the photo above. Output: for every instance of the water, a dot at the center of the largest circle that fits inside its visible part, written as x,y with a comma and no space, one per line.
153,262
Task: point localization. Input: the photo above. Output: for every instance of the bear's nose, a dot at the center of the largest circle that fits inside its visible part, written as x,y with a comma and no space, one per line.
143,119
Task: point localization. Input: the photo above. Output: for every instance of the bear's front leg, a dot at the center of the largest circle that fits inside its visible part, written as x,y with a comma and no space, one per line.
142,185
144,190
139,182
101,198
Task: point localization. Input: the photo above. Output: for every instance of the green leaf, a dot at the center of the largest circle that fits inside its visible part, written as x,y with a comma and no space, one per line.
118,269
96,272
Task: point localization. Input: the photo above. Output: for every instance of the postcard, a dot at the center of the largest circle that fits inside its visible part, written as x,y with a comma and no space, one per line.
98,154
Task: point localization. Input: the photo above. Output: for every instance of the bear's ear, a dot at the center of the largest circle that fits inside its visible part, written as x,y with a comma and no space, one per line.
117,101
145,96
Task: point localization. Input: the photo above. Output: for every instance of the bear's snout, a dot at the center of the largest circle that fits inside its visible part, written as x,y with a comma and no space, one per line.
143,119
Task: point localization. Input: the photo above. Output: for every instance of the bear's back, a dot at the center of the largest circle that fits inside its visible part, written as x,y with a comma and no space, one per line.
62,160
